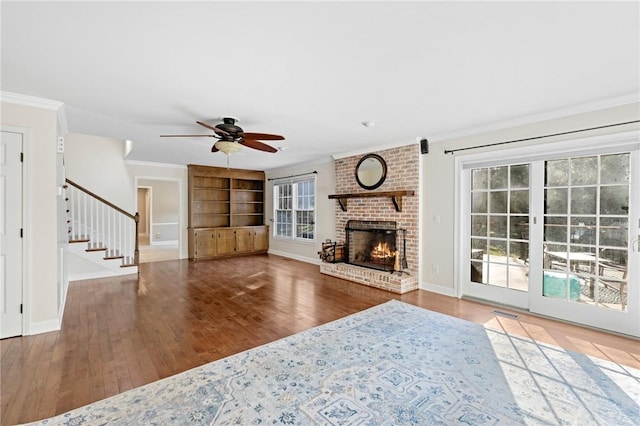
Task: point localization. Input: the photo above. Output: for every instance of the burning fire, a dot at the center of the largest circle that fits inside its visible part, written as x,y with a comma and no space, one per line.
382,251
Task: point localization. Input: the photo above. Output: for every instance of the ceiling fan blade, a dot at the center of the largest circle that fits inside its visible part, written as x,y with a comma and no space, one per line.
257,145
215,129
187,136
263,136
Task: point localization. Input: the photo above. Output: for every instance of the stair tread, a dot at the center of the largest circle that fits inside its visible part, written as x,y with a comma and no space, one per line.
113,254
78,240
96,247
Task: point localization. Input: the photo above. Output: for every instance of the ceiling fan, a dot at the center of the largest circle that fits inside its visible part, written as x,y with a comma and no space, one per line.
231,137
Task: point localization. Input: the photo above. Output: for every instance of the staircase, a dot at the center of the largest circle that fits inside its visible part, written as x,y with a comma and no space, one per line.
101,232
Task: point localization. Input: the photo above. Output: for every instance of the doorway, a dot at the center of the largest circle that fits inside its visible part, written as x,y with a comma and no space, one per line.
159,227
144,210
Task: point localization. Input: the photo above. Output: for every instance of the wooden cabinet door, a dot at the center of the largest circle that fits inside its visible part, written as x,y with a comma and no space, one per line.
244,239
261,238
205,243
226,241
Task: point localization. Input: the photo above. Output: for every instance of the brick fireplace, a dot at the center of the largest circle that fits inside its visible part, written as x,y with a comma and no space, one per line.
402,175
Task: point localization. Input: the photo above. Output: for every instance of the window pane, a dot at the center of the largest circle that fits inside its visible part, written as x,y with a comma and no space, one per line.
519,201
614,231
498,251
498,202
614,199
584,171
556,201
520,176
479,225
519,227
498,226
555,229
614,168
583,200
304,224
498,177
519,253
479,202
479,179
583,230
557,173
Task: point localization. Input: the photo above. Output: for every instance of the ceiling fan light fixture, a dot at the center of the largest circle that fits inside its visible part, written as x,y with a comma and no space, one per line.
228,147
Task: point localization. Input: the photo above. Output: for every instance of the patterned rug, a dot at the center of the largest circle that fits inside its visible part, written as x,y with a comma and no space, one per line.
393,364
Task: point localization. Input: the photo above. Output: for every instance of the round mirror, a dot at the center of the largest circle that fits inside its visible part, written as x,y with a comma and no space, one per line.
371,171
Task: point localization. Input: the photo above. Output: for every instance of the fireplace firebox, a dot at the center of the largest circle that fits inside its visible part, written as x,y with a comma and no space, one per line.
376,244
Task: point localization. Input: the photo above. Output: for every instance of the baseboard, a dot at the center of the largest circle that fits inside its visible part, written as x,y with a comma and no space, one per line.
313,261
164,243
103,274
43,327
434,288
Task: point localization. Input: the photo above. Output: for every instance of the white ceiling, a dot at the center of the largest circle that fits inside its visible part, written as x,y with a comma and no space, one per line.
314,71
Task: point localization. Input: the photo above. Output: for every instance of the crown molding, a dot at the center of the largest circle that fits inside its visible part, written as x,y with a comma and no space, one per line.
304,164
32,101
153,164
41,103
375,148
536,118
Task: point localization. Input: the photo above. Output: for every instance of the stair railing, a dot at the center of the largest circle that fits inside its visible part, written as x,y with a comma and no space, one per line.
95,219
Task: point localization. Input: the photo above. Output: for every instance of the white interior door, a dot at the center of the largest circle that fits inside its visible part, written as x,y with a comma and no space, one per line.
10,235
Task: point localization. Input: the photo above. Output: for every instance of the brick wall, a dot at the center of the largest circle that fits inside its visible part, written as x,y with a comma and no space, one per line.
403,173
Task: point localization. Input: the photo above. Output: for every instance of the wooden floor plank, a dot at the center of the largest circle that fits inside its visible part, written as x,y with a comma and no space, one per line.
123,332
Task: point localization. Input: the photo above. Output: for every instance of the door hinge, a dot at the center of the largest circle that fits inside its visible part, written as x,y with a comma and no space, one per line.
22,157
21,233
21,308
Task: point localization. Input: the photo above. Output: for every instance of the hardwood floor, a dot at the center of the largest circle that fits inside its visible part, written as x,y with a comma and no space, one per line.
120,333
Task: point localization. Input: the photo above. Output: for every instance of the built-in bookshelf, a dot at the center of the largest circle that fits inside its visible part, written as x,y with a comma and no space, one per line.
226,212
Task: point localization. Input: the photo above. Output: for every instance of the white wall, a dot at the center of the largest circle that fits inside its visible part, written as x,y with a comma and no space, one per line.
97,164
439,181
325,213
43,301
177,175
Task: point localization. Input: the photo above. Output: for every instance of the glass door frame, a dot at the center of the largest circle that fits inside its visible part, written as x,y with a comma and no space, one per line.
625,322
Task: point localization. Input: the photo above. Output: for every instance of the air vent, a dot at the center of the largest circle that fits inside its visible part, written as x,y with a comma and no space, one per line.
505,314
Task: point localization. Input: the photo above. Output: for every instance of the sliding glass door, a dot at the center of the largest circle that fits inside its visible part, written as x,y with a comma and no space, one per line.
499,240
588,245
557,236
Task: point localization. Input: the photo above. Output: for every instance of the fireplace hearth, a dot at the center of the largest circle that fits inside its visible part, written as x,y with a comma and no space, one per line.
376,244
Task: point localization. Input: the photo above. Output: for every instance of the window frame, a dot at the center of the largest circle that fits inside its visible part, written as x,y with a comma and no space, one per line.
294,209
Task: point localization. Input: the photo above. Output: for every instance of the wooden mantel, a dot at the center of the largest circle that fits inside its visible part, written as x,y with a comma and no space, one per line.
396,197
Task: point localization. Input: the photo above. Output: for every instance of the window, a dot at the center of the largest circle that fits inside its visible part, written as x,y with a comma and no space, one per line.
294,209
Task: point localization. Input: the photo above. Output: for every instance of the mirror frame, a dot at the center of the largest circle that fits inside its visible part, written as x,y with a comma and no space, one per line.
380,181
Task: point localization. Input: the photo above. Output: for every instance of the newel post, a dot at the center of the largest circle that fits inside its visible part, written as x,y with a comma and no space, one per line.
136,252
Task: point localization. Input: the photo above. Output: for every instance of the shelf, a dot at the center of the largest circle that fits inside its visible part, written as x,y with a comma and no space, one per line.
221,199
212,188
395,196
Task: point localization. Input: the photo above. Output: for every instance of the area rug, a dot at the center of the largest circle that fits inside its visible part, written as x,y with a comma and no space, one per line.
393,364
